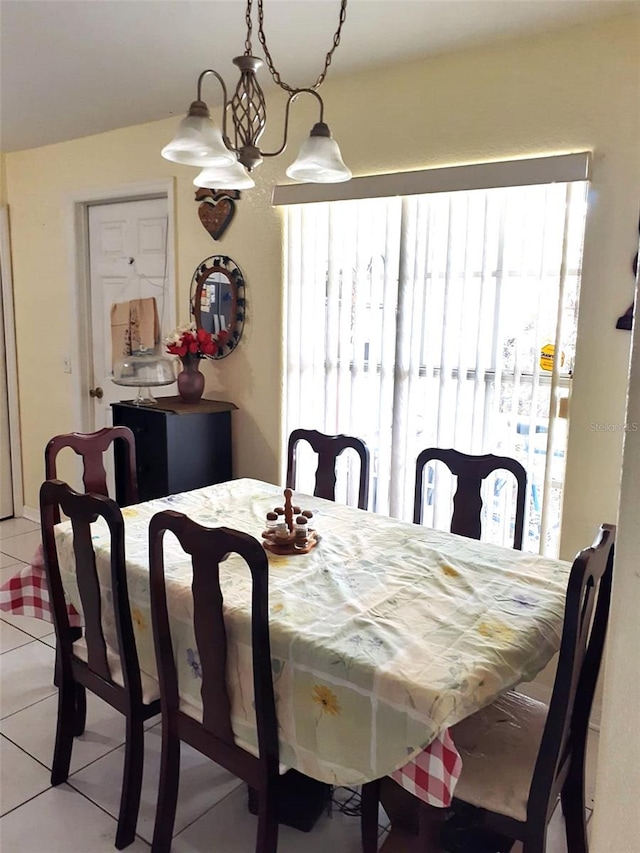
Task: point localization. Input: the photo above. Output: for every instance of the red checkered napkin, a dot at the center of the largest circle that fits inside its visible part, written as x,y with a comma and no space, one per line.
26,593
432,775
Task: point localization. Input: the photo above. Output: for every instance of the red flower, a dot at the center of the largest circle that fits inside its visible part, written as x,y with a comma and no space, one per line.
197,342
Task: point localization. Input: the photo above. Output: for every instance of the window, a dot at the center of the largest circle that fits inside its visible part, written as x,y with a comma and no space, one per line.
431,320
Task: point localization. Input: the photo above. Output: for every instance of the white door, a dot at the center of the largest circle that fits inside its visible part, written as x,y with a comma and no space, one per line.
6,485
127,261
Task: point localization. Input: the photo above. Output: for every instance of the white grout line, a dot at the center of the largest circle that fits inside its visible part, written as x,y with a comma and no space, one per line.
13,713
24,630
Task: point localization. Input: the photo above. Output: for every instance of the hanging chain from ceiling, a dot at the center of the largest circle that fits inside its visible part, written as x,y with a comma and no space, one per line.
263,41
248,49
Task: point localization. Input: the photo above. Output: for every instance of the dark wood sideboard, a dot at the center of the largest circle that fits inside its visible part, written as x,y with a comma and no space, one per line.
179,446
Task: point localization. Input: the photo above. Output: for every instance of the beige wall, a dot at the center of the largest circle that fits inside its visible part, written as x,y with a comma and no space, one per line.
570,90
616,828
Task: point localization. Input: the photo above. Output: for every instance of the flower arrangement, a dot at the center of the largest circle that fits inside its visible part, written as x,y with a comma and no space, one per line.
189,343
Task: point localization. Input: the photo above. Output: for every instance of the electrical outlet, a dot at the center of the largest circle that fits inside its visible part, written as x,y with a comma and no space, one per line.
66,363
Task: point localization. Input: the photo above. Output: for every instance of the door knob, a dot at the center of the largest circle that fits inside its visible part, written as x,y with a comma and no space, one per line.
96,392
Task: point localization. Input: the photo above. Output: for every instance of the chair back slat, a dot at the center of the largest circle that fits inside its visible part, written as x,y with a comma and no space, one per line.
210,634
467,507
89,589
583,636
84,510
208,547
91,447
467,501
328,448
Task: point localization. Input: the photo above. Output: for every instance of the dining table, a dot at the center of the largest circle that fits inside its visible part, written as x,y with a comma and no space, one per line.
383,636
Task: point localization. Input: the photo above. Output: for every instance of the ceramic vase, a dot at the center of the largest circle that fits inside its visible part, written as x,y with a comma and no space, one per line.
190,380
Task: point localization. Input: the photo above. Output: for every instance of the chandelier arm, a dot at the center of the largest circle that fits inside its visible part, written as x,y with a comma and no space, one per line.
327,62
292,97
225,106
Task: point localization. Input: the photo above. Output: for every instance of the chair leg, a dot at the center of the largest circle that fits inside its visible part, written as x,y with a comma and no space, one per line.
81,711
64,730
536,841
369,816
573,808
430,821
131,781
76,634
267,836
167,791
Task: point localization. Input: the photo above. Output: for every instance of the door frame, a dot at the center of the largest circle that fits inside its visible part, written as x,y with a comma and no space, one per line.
77,227
8,312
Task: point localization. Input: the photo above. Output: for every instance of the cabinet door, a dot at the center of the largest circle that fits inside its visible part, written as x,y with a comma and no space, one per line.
198,450
150,430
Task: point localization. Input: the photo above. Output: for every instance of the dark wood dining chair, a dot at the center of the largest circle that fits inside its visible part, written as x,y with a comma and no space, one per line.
213,736
467,501
328,448
88,662
91,447
518,772
519,756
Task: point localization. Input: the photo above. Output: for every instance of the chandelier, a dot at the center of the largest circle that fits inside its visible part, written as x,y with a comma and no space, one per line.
226,164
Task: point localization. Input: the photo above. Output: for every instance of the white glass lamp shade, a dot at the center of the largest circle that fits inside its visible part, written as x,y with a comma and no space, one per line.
319,160
198,142
232,177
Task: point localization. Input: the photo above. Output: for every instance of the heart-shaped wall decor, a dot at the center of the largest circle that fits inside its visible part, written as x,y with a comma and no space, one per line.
217,209
216,215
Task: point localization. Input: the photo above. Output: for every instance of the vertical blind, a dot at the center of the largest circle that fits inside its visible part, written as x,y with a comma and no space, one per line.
419,321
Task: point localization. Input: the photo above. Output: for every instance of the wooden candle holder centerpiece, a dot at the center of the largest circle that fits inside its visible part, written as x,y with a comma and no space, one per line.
287,530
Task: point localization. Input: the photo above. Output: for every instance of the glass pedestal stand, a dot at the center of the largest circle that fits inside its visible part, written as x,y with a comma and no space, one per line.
144,370
144,396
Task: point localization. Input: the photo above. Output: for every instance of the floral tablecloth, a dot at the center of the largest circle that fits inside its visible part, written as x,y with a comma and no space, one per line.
382,637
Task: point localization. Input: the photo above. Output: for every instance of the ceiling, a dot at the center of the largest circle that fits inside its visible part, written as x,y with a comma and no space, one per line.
70,68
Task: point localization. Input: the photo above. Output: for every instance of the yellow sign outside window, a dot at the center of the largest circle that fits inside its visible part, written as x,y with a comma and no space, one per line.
547,354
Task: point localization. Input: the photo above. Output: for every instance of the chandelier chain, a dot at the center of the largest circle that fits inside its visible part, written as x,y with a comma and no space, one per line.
247,42
263,41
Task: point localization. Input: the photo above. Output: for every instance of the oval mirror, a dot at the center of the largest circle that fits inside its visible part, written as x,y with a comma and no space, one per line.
217,300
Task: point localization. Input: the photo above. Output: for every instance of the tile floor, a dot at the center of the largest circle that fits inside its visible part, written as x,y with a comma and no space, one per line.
80,816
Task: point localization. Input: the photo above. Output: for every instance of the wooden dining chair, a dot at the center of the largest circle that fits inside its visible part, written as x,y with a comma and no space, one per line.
88,662
213,736
519,757
91,447
328,448
467,501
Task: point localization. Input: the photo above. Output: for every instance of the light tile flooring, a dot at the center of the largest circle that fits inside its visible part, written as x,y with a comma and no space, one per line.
80,816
